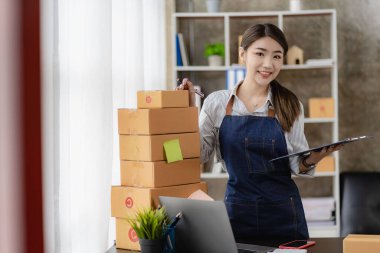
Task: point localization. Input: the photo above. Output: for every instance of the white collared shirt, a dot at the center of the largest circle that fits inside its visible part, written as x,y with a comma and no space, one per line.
214,110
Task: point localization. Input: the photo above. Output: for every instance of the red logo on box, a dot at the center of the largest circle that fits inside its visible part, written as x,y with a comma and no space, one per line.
129,202
132,235
148,99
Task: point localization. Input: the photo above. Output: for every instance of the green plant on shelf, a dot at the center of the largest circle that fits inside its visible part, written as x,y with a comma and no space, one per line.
214,49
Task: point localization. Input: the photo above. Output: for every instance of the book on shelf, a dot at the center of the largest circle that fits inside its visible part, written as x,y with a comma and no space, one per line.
178,51
183,50
234,75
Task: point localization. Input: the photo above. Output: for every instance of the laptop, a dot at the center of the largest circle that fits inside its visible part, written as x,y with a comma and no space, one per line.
205,227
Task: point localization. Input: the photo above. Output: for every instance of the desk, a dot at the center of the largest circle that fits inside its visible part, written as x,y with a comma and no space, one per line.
323,245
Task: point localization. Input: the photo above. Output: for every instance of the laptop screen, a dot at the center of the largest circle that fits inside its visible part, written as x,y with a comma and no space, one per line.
204,226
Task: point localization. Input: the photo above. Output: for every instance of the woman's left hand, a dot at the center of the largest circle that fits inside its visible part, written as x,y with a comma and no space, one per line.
316,157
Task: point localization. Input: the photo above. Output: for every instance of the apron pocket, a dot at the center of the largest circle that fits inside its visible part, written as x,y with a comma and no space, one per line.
257,154
277,219
243,218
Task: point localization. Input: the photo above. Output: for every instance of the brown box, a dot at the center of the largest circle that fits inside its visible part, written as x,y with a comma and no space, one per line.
361,244
126,237
162,99
158,120
159,174
150,147
125,200
321,107
326,165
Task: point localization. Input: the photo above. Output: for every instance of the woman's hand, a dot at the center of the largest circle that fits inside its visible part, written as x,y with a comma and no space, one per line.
316,157
187,85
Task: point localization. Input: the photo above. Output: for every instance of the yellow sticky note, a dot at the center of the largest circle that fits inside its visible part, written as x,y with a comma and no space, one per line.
173,151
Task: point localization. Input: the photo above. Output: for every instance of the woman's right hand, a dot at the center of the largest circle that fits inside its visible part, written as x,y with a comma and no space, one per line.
187,85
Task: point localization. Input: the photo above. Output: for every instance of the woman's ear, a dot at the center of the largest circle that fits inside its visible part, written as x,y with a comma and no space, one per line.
242,55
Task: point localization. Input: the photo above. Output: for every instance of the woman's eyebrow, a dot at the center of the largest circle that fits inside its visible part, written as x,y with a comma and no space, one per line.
265,50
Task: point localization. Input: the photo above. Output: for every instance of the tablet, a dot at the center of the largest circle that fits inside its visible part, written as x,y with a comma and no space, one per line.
347,140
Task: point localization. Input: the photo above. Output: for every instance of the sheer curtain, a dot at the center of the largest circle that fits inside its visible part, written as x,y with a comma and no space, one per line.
96,55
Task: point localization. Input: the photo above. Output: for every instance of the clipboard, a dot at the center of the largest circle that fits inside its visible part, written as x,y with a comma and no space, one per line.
347,140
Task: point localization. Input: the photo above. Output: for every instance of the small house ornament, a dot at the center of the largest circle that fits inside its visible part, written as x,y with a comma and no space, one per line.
295,55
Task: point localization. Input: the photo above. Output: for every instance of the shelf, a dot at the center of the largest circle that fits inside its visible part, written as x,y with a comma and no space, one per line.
225,175
202,68
328,67
224,68
214,175
319,120
308,66
254,14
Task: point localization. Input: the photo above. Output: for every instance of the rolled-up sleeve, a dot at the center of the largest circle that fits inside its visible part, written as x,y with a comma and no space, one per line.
207,132
296,143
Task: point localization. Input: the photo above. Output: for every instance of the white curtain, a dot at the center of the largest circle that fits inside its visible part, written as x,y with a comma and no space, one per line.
96,55
138,61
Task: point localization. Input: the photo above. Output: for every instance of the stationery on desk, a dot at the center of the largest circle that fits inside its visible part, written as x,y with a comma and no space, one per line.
319,148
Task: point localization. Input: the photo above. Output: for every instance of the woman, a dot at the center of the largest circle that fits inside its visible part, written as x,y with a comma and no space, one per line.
255,122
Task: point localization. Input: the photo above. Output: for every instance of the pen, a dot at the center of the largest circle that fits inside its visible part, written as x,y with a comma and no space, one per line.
175,220
199,93
169,242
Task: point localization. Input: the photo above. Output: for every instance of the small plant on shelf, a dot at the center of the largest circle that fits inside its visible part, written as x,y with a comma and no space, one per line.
215,53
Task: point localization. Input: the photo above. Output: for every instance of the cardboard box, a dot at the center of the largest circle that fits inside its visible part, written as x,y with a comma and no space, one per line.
321,107
126,237
361,244
326,165
163,99
150,147
159,174
158,121
125,200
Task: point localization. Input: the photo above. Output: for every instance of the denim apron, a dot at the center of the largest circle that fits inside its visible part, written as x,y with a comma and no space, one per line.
261,198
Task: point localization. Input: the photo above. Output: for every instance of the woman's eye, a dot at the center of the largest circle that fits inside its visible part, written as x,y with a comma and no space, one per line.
278,57
259,54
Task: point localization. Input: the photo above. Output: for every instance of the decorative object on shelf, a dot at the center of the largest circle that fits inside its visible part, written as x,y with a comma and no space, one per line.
294,56
321,108
215,54
240,61
150,226
295,5
213,5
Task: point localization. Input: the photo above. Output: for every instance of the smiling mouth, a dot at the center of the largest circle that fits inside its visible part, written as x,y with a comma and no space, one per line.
265,74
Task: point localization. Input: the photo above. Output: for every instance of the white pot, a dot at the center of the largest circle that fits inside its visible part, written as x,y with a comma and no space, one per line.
215,60
212,5
295,5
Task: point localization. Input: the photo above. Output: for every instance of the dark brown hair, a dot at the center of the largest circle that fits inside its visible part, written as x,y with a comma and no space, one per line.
286,104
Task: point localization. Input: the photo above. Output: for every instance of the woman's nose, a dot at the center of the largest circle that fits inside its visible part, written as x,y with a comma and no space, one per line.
267,62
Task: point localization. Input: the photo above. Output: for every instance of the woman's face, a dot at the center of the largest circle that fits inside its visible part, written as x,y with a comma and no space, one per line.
263,59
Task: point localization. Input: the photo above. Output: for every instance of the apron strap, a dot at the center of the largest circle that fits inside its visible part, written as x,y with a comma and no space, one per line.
230,103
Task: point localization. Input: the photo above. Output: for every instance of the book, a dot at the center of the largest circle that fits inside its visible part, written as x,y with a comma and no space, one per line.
178,51
234,75
183,50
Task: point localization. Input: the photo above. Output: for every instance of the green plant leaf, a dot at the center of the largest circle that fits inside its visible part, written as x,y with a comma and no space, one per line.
214,49
149,223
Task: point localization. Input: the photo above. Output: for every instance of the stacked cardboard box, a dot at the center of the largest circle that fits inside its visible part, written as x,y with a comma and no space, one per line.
161,116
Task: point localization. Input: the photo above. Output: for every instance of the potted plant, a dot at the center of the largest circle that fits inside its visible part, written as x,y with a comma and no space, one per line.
215,54
150,226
